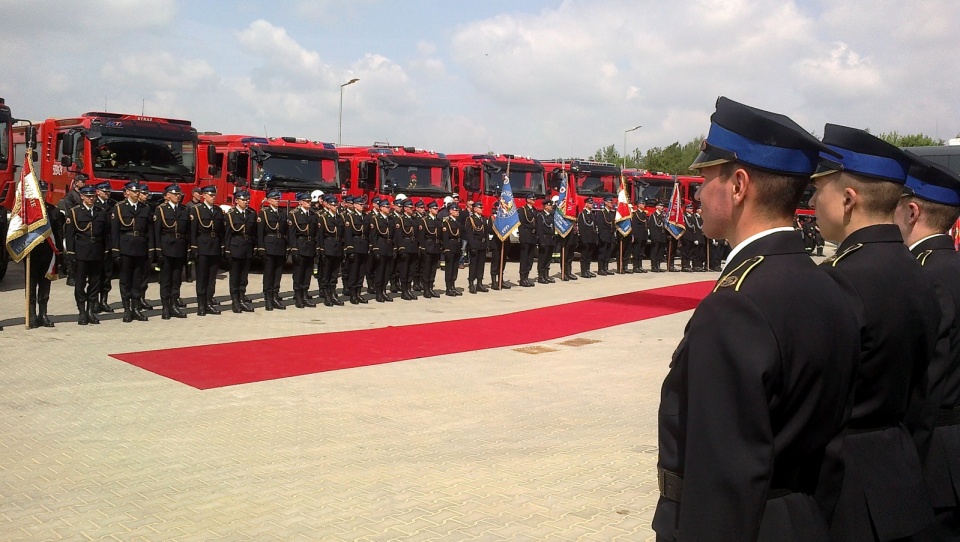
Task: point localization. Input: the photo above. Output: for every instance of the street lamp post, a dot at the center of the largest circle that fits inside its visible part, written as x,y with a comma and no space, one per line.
340,133
624,166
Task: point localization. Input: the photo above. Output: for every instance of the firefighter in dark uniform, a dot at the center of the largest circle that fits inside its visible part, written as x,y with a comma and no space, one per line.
85,233
658,238
809,237
144,196
688,241
189,270
478,230
206,248
331,231
419,212
106,280
69,201
607,231
428,237
589,237
528,241
568,246
383,248
132,240
272,247
302,239
882,495
545,238
240,241
700,251
38,293
926,214
171,229
638,236
345,211
356,247
407,250
498,255
753,400
451,232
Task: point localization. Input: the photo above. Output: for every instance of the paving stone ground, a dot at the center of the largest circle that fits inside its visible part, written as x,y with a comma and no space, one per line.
487,445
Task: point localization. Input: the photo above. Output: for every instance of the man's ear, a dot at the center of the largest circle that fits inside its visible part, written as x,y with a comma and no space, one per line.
914,216
850,199
741,184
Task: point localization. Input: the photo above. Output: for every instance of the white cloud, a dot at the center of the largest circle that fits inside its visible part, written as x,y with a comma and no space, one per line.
159,70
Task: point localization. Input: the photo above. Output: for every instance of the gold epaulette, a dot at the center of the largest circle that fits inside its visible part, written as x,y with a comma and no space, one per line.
832,260
922,257
732,279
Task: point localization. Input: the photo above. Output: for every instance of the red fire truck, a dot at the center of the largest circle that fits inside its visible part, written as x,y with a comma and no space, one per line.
585,179
7,191
115,148
478,177
387,170
647,188
259,164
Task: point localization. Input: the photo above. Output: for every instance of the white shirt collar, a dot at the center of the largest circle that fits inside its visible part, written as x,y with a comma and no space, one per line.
924,239
751,239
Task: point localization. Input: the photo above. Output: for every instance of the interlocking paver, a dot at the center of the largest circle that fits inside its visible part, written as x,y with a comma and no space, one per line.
489,445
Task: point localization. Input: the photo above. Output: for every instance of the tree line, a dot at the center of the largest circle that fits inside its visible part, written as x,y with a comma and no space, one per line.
676,158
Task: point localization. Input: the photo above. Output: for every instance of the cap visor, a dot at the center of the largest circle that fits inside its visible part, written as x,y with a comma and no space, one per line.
707,159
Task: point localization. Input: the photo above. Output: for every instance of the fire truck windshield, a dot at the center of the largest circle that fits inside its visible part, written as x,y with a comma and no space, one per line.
5,126
299,171
415,176
595,184
653,191
525,181
151,159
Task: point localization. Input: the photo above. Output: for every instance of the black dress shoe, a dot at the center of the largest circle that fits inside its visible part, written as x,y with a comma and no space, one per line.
482,288
212,309
550,280
472,289
83,319
181,303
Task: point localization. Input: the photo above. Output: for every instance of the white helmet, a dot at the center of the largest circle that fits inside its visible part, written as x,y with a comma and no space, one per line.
400,197
555,199
447,200
315,195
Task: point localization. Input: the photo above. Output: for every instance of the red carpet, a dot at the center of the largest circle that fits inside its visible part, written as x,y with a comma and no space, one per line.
217,365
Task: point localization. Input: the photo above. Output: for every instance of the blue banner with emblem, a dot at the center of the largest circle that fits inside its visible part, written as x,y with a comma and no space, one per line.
506,218
675,223
563,220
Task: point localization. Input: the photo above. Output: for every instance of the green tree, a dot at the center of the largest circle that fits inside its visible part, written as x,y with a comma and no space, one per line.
910,140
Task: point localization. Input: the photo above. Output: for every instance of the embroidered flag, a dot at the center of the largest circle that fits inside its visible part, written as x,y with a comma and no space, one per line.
624,223
675,223
506,220
563,220
29,226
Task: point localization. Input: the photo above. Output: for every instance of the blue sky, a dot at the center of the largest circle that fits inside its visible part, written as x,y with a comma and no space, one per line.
541,78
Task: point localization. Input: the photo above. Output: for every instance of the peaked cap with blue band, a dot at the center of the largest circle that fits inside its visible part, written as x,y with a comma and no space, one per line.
932,182
751,136
863,154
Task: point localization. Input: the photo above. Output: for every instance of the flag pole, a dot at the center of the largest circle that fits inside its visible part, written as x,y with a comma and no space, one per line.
563,261
500,269
620,261
26,298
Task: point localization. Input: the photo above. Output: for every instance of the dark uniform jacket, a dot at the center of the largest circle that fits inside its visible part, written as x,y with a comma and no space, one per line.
272,231
331,230
241,233
605,224
206,230
752,399
131,233
528,224
406,240
171,230
86,232
381,234
302,232
942,467
478,230
356,235
899,315
451,231
657,224
587,226
638,225
545,232
428,234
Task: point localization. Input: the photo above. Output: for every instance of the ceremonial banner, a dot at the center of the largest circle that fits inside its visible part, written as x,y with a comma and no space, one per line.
675,224
506,219
563,220
623,220
29,226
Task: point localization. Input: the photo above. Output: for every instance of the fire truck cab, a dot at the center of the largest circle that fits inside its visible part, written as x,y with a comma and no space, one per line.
115,148
585,179
647,188
385,170
259,165
479,177
7,184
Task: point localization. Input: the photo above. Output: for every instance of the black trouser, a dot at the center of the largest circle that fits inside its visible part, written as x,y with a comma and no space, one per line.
478,259
686,253
171,277
145,277
544,257
637,252
406,266
239,275
716,255
451,267
657,254
603,254
206,279
568,245
357,264
329,267
88,281
39,291
302,272
700,254
272,271
588,251
527,250
106,274
382,266
131,269
429,264
498,259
